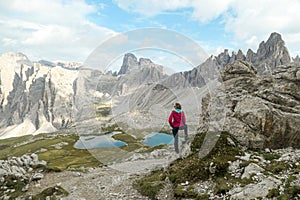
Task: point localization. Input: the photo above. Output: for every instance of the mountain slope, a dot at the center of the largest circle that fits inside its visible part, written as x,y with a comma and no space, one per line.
35,98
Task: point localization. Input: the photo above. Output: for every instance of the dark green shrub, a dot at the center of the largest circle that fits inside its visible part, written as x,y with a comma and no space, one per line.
151,184
273,193
184,192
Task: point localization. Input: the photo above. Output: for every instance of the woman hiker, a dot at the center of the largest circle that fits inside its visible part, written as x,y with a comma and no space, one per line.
177,121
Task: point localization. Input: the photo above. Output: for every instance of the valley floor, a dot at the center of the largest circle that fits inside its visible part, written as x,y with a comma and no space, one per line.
108,182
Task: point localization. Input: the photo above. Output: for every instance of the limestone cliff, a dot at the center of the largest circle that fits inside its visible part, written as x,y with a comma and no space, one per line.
260,111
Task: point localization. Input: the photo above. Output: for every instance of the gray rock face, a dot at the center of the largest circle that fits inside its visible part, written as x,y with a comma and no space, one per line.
260,111
296,59
270,54
253,191
42,96
251,169
224,58
129,63
34,95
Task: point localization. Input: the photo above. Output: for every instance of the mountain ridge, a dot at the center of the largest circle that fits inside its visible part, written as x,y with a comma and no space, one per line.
46,94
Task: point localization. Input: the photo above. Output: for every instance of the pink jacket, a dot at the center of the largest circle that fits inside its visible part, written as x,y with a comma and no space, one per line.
177,118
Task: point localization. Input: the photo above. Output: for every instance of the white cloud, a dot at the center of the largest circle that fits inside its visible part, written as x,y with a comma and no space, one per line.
60,29
50,29
151,7
249,21
8,42
204,10
253,21
252,41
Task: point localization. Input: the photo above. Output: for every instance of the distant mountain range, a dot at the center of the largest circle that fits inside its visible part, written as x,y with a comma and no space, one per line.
43,97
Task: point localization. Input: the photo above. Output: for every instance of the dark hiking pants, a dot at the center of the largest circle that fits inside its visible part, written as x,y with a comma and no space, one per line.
175,134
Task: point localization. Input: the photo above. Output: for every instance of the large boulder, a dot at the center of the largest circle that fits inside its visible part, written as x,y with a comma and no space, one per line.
260,111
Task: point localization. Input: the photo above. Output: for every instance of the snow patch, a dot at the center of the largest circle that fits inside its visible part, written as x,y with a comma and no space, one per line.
25,128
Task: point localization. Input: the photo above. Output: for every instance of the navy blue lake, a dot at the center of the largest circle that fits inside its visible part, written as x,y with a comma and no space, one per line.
99,141
157,139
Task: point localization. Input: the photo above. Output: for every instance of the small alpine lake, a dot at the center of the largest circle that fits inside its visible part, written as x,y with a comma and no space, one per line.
98,141
156,139
108,141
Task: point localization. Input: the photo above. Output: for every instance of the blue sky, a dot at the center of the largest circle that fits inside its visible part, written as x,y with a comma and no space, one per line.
71,30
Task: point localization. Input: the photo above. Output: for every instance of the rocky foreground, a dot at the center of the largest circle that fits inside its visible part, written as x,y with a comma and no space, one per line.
229,171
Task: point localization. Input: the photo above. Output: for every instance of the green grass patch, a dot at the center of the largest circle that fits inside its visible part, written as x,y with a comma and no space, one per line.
197,142
297,169
13,182
289,181
68,156
111,128
53,192
245,163
195,169
125,138
277,167
270,156
132,146
185,192
57,159
273,193
7,145
292,192
150,185
132,143
222,185
203,197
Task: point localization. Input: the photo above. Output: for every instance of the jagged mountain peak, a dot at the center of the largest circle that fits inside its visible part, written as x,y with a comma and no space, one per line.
145,61
296,59
131,63
275,37
268,56
274,43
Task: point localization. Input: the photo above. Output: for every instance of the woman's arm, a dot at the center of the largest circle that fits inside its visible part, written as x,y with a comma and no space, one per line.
183,118
171,119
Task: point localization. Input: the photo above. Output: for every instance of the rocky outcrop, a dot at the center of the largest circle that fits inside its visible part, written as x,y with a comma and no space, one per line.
270,54
34,98
16,174
260,111
21,167
229,171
